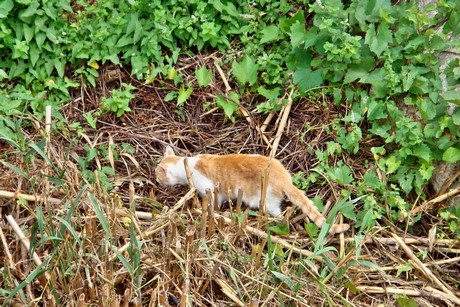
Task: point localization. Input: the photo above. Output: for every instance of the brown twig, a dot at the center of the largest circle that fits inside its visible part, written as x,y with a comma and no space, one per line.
51,200
427,272
282,124
429,204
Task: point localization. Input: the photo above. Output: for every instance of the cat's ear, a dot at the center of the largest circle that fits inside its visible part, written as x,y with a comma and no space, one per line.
169,151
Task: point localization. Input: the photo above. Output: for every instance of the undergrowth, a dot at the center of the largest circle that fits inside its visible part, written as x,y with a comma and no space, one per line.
374,61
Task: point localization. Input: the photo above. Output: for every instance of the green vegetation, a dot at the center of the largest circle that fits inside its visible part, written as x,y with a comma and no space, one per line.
374,63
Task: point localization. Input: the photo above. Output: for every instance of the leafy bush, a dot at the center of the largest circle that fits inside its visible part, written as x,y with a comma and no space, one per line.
41,41
382,60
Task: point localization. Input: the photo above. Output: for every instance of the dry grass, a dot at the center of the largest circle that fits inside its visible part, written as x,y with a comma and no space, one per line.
145,245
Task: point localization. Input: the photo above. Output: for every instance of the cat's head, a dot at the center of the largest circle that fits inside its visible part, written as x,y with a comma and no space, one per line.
170,171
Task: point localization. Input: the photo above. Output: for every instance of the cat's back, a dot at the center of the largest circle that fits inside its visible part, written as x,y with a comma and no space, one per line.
243,164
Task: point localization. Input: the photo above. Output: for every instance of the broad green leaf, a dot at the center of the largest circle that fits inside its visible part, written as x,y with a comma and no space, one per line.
298,34
34,54
380,129
124,41
31,10
355,72
184,94
451,155
286,23
348,210
376,110
203,76
392,164
307,79
452,24
371,180
170,96
406,301
5,7
368,220
422,151
3,74
271,95
426,171
281,229
60,66
269,34
453,96
377,79
29,32
456,117
341,174
405,180
227,105
246,71
379,41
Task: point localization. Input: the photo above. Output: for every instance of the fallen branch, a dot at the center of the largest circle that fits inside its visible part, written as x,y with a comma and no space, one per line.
429,204
28,197
412,241
427,272
282,125
426,292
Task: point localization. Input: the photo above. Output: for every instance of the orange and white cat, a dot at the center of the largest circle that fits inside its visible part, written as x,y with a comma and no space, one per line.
240,171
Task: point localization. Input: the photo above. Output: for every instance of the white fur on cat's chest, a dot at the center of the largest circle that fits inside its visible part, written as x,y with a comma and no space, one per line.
200,181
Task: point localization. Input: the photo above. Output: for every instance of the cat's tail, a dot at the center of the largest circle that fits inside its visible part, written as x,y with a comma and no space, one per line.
299,199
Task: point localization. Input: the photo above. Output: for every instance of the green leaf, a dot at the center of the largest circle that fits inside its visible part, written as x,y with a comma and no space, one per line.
31,10
16,169
227,105
376,110
60,66
170,96
392,165
286,279
298,34
281,229
28,32
203,76
184,94
307,79
456,117
380,130
453,96
90,120
378,42
269,34
357,71
3,74
371,180
406,301
341,174
246,71
368,220
5,7
124,41
422,151
100,215
451,155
